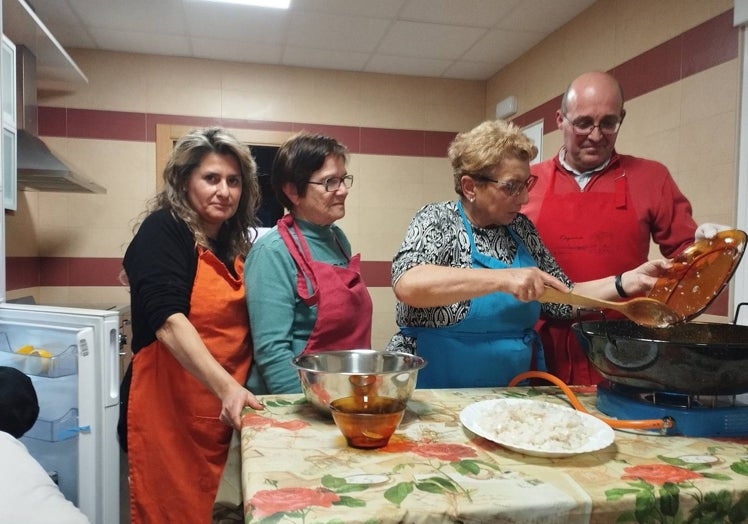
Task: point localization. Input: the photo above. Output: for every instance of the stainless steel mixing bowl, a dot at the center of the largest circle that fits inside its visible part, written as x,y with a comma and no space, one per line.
330,375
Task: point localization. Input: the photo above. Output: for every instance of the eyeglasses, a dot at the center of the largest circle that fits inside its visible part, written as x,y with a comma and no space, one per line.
333,183
584,126
512,187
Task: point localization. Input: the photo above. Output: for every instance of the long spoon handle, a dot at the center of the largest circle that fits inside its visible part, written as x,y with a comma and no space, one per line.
643,311
559,297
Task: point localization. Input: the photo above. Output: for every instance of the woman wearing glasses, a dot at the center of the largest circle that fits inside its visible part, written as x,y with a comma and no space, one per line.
304,289
468,273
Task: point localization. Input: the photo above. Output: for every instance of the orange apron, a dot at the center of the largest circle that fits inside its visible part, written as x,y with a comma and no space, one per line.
177,446
603,242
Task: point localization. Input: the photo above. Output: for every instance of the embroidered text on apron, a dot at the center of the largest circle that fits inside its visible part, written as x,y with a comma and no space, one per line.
344,307
492,344
176,466
602,244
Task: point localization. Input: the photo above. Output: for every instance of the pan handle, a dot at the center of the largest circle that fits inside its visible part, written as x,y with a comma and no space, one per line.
662,424
737,313
601,313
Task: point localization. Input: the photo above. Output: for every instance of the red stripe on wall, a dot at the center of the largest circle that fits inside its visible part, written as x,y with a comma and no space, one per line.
711,43
377,274
24,272
141,127
29,272
350,136
81,271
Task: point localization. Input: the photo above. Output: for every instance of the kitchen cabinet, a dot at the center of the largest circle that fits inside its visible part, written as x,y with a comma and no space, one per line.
9,81
23,27
40,62
9,125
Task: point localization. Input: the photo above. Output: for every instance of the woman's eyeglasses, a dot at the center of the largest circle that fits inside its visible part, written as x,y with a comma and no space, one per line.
333,183
511,187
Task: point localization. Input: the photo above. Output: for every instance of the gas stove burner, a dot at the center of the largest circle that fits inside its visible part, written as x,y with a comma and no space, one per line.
693,415
673,399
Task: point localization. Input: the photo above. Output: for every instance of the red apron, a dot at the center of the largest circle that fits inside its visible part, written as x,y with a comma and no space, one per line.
344,307
592,235
177,446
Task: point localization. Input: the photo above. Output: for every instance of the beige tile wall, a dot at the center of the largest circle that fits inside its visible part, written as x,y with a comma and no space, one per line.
689,126
387,191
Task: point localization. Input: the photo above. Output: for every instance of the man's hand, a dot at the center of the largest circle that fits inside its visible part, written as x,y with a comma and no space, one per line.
708,230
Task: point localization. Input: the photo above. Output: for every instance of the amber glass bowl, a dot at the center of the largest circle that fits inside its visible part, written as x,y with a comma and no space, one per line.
700,272
367,422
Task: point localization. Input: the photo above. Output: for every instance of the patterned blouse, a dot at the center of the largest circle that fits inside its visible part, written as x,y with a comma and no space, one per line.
436,235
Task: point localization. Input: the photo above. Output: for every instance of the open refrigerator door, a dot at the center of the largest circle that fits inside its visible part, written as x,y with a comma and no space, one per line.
72,357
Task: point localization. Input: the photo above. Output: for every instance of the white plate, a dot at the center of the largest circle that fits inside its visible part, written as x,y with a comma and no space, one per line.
601,435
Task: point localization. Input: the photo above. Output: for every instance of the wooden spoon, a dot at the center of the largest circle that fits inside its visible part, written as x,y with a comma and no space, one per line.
644,311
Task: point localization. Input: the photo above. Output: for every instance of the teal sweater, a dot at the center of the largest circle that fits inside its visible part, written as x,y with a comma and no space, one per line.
281,323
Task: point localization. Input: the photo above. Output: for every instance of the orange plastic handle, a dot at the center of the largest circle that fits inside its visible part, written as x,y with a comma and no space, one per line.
659,424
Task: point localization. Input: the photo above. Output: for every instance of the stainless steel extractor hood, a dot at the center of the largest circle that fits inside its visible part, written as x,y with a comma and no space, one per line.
38,168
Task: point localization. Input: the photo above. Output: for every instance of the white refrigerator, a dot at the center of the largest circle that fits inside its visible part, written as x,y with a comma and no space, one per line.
72,357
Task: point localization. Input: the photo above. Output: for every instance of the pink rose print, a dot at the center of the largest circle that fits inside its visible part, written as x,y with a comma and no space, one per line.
446,452
253,420
268,502
659,474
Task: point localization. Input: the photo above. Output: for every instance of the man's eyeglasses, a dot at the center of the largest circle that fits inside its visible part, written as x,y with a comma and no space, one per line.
583,126
511,187
333,183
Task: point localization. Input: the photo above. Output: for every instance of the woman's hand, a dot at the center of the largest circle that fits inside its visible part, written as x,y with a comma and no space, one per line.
528,284
184,342
234,402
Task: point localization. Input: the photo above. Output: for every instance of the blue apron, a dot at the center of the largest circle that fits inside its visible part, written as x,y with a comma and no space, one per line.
492,344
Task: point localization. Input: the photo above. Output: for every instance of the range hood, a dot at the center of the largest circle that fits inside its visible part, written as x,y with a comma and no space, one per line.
38,168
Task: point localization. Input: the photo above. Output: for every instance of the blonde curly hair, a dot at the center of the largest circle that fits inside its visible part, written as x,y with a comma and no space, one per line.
479,151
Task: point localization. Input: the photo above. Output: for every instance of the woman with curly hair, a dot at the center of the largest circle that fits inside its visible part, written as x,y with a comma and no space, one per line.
469,272
184,391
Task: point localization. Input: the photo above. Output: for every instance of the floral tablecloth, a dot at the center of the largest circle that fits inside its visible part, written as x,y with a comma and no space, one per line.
296,467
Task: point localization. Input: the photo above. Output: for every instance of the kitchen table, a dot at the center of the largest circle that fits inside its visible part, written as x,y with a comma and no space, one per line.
296,467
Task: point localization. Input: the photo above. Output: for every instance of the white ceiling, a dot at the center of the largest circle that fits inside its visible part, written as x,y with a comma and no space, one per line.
464,39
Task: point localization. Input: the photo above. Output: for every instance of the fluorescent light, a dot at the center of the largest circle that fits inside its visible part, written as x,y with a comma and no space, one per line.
275,4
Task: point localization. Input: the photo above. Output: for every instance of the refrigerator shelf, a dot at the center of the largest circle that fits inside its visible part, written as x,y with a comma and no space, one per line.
64,428
53,360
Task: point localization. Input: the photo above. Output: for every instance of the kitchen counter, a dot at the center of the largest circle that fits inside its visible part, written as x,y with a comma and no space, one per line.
296,467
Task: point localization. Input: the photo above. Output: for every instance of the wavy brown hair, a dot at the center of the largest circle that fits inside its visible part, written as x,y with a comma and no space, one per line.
186,156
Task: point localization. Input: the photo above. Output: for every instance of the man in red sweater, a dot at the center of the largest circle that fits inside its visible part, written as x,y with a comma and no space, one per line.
597,210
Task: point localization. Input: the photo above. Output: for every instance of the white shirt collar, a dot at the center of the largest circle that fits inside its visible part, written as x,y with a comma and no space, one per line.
581,177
